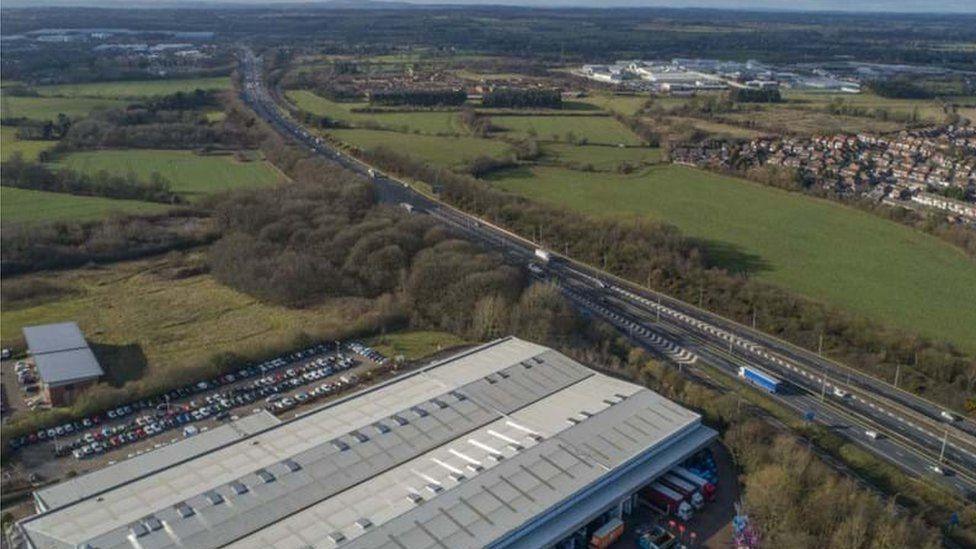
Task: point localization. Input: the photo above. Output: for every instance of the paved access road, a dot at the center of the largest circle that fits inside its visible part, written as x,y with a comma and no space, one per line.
914,434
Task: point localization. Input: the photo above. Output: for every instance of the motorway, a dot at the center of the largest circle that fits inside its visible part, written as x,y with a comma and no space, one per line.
914,434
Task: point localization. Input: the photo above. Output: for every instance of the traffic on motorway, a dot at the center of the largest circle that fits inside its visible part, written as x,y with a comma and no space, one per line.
934,438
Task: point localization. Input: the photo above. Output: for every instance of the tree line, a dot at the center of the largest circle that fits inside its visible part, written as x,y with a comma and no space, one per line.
419,97
17,172
518,98
755,95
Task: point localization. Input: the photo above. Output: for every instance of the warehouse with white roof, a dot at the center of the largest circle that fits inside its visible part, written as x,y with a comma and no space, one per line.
509,444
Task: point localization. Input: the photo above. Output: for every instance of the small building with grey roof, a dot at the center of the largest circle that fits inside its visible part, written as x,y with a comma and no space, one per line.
509,444
65,363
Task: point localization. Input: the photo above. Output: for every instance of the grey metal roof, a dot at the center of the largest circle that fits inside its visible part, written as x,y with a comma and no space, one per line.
49,338
465,429
100,480
63,367
61,353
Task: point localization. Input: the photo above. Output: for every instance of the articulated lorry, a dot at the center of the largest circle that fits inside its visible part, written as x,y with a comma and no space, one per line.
706,488
607,534
666,500
685,488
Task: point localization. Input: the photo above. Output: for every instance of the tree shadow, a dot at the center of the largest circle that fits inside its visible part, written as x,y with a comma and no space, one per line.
122,363
731,257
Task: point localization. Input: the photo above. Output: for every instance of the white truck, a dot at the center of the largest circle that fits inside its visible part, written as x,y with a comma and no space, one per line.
371,172
543,255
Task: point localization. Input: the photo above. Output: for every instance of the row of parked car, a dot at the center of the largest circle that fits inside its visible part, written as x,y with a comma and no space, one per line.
217,405
162,416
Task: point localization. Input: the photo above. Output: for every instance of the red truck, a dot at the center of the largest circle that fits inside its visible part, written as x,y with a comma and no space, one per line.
667,500
707,488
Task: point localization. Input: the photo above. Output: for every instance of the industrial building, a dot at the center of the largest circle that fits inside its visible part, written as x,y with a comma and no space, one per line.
509,444
65,364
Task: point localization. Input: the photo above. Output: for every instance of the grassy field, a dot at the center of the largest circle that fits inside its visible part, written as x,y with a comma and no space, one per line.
624,104
138,311
48,108
9,144
433,123
414,345
23,205
848,258
597,129
928,110
600,157
191,174
135,88
808,121
443,151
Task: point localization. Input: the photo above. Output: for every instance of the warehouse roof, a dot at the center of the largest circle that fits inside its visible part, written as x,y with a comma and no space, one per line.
61,353
84,486
460,453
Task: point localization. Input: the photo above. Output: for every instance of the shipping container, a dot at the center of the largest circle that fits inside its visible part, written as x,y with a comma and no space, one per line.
607,534
759,378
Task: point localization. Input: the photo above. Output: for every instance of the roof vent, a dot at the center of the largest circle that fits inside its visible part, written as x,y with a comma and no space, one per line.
265,475
516,446
381,428
364,523
458,477
434,488
238,487
538,360
340,445
587,414
620,396
608,402
153,523
184,510
459,396
474,467
439,403
292,465
400,420
214,498
415,498
503,375
491,380
420,411
536,437
359,436
574,421
337,537
138,530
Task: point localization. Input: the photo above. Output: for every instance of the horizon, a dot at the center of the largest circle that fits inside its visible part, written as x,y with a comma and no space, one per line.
907,7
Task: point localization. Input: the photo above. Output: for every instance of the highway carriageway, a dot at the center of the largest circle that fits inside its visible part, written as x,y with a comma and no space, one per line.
912,429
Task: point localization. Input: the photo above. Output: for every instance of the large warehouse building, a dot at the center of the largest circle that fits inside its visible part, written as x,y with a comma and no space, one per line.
509,444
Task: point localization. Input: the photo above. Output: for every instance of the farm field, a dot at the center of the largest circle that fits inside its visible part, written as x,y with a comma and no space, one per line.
28,206
808,121
443,151
135,88
624,104
159,323
597,129
600,157
413,345
929,110
825,251
9,144
191,174
48,108
433,123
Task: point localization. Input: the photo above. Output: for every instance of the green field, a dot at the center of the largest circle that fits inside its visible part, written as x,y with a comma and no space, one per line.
596,129
48,108
434,123
828,252
135,88
600,157
137,310
23,205
624,104
191,174
443,151
9,144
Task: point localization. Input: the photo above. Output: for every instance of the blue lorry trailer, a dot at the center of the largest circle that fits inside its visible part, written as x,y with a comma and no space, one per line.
760,379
